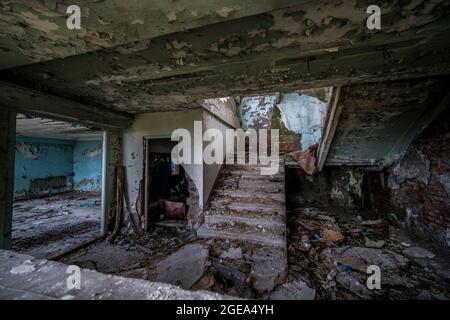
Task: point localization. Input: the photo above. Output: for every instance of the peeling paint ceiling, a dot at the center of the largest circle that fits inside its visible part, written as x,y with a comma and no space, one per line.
36,31
269,48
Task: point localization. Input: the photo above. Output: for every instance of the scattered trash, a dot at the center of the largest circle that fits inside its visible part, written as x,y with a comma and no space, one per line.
406,244
331,235
316,237
331,275
306,159
305,243
345,268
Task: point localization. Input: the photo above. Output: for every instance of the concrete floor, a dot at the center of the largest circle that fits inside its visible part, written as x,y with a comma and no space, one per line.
47,226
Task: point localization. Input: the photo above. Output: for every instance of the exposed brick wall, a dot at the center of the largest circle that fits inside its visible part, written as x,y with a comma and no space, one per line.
416,190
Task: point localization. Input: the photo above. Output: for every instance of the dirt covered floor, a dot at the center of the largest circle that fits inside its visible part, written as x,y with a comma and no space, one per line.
47,226
329,250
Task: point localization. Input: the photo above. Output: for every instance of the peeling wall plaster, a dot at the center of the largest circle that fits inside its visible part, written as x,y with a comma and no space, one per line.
305,115
415,165
300,113
38,158
80,162
87,165
256,111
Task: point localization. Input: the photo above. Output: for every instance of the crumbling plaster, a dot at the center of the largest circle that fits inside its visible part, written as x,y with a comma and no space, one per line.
35,31
310,44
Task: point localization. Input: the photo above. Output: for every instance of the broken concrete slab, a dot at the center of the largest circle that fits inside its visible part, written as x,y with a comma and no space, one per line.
267,271
418,252
184,267
359,258
296,290
48,280
232,253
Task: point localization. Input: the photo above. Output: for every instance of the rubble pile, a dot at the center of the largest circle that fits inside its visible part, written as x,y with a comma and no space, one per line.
331,250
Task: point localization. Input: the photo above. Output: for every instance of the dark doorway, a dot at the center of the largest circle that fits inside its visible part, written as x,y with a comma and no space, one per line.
167,187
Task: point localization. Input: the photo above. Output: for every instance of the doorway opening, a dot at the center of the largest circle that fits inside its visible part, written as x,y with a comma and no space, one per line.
166,185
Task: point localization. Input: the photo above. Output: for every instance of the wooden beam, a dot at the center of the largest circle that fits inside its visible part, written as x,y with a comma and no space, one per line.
331,122
42,104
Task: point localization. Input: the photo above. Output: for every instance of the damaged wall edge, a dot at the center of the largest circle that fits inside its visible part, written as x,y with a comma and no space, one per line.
7,155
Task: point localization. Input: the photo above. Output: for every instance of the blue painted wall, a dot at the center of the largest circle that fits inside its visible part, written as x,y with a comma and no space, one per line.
38,158
41,158
87,165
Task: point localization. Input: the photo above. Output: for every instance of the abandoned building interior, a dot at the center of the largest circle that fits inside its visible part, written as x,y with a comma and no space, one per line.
87,175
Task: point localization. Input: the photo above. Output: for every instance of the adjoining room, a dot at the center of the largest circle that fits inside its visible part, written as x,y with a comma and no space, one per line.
57,186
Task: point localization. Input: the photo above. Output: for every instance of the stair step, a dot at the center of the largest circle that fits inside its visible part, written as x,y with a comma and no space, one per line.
258,222
255,186
241,206
258,238
244,195
243,175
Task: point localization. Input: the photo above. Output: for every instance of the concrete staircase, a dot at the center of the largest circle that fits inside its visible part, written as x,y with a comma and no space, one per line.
248,209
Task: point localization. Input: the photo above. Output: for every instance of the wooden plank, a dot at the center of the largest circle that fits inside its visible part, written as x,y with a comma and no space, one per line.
331,123
39,103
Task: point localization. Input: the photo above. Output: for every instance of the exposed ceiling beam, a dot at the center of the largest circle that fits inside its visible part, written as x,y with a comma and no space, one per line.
37,103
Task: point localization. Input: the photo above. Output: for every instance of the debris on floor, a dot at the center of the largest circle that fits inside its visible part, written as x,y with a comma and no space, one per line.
336,263
329,251
46,226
